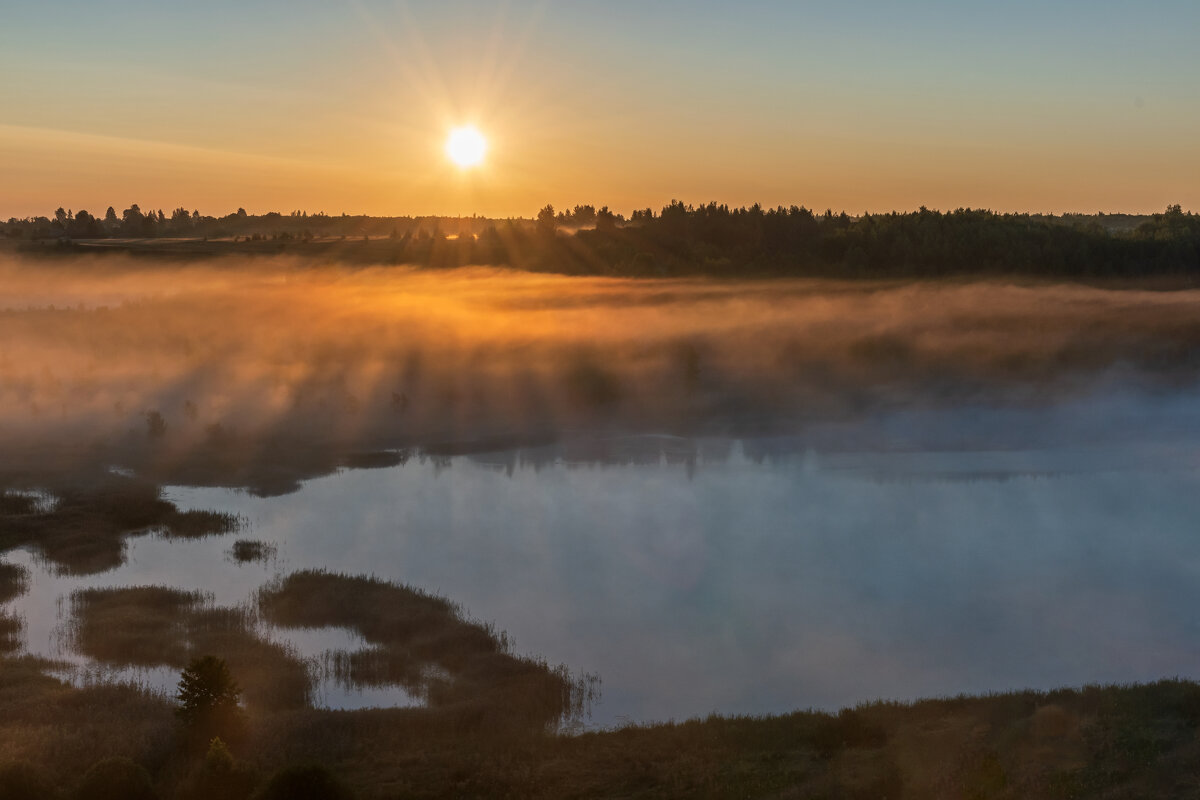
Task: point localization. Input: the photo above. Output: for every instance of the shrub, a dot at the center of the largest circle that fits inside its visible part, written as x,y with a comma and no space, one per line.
306,782
116,779
220,775
21,780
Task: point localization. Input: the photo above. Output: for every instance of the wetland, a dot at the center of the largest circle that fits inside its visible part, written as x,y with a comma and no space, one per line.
462,531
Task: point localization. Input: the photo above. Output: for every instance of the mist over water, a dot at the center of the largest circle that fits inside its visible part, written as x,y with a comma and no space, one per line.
716,496
223,359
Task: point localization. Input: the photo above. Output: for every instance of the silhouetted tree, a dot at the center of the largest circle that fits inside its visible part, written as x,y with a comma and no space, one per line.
605,220
133,222
156,425
583,216
181,220
208,700
84,226
546,221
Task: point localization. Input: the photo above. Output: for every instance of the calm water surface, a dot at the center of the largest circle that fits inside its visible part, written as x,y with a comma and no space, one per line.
754,576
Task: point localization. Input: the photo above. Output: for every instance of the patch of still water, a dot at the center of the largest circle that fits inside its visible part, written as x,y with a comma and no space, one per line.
744,577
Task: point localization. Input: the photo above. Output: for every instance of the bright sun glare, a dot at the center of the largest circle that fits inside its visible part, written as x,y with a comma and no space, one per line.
466,146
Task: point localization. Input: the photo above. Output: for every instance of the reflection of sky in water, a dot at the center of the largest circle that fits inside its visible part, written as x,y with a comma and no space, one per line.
810,581
749,586
192,565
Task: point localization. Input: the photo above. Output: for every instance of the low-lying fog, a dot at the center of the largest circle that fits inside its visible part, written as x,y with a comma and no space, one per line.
233,353
820,493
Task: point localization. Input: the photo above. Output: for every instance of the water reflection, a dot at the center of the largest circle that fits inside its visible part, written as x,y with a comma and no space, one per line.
200,565
750,585
736,576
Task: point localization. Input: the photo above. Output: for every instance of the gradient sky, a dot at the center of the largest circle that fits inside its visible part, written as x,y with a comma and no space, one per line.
344,106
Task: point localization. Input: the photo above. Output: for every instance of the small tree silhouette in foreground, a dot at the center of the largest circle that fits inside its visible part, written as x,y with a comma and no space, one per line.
208,697
219,775
305,782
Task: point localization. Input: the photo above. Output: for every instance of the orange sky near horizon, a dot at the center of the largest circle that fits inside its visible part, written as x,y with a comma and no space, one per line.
346,109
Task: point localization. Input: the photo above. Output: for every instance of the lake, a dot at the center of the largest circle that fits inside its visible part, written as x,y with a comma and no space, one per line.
915,554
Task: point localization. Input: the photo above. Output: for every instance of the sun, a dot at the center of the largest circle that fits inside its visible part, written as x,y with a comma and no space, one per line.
466,146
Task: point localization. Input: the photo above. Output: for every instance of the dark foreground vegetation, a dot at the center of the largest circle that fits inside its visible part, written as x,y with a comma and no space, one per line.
1136,741
176,386
491,723
83,530
712,240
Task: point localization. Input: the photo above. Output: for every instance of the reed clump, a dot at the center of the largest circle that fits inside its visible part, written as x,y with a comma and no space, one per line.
425,644
82,531
14,581
246,551
156,625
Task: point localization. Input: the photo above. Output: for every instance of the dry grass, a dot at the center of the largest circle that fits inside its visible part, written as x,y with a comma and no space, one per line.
153,625
245,551
83,530
423,643
10,634
197,524
139,625
64,730
14,581
1131,741
17,504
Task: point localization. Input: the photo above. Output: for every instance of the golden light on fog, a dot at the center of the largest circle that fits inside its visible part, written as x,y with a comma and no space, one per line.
466,146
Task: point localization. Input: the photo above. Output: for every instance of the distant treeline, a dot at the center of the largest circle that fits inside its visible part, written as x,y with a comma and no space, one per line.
134,223
712,239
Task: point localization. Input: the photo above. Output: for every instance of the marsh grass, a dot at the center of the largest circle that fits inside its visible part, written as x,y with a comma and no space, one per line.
155,625
1127,741
10,634
423,643
17,504
63,730
1114,741
14,581
83,531
137,625
246,551
197,524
